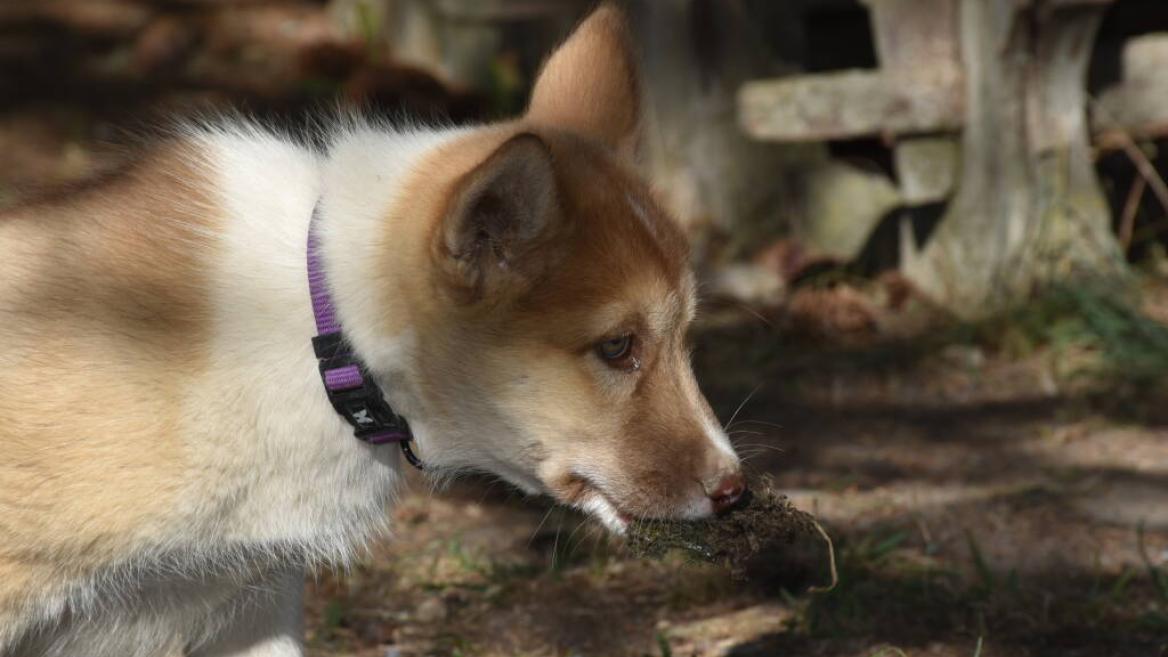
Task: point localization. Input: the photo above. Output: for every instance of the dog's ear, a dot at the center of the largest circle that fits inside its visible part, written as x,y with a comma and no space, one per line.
501,213
590,85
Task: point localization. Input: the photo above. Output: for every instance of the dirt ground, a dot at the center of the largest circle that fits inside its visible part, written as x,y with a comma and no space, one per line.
977,509
984,501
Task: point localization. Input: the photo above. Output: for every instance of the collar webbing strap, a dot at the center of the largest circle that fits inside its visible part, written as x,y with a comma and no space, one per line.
351,390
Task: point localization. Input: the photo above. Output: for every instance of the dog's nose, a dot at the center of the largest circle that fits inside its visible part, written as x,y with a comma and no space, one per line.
728,492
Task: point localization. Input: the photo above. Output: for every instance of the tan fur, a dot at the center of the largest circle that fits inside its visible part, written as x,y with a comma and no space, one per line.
103,318
590,86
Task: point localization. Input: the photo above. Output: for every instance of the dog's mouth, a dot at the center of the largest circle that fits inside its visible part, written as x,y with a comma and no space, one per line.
582,493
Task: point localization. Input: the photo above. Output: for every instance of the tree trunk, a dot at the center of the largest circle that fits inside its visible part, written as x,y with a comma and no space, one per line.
1029,211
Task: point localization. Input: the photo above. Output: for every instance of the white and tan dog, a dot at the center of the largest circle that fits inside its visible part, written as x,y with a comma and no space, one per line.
169,460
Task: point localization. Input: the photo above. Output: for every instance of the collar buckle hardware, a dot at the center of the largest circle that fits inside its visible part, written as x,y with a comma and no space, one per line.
355,395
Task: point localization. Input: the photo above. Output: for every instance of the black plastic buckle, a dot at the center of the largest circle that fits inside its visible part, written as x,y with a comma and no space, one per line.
365,407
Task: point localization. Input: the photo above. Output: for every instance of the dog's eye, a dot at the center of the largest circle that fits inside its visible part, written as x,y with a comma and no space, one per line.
617,352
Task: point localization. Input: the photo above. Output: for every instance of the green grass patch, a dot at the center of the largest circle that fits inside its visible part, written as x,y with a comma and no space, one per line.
1098,333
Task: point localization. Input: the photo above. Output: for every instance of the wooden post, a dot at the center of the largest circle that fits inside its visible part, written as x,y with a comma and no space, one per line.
708,172
1028,210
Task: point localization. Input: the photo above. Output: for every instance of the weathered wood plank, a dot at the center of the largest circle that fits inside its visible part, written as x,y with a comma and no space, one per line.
1136,105
843,105
917,89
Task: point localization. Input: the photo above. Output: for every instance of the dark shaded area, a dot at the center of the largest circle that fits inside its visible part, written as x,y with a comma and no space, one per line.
1029,615
1148,227
869,153
847,27
881,252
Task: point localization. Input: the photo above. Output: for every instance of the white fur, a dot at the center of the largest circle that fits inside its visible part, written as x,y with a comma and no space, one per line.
719,438
599,507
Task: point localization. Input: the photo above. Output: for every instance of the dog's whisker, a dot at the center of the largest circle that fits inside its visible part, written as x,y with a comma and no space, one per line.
764,423
740,406
556,544
538,527
572,547
760,446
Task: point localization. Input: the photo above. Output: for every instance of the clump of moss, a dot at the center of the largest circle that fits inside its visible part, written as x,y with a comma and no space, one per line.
763,521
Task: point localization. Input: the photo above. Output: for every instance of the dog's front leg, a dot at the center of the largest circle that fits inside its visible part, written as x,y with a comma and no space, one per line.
266,620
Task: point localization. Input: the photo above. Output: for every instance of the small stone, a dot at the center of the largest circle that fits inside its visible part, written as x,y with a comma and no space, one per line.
432,610
966,356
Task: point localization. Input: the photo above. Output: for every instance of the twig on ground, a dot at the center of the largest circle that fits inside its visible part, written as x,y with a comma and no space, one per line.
1123,139
1131,207
1159,579
889,650
830,561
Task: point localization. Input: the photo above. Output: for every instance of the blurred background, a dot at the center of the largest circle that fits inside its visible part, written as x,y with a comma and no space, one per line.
931,235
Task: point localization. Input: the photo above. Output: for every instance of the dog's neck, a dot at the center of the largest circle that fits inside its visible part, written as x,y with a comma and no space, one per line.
367,232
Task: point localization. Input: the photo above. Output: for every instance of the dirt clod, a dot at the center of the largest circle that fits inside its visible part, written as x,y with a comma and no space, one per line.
764,521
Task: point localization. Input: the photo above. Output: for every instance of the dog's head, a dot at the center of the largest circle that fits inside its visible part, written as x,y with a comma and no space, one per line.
550,333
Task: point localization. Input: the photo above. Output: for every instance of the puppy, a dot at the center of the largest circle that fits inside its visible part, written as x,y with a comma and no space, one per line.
176,448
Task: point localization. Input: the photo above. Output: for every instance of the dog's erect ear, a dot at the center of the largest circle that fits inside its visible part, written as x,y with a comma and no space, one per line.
500,215
590,84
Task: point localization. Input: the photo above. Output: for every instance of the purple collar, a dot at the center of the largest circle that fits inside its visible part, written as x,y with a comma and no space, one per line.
347,382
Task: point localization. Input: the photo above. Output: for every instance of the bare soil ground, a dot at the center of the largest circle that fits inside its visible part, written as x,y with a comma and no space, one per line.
984,501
